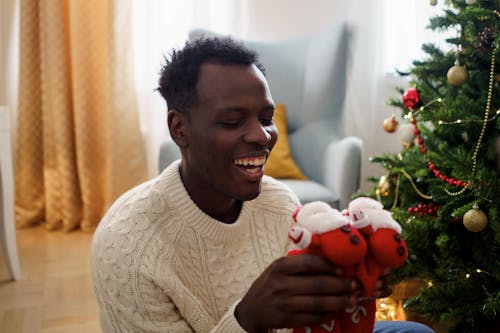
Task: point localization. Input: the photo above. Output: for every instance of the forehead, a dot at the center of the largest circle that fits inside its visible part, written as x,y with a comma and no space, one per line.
218,82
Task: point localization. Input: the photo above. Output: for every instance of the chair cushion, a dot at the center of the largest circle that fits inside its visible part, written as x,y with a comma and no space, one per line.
308,190
280,163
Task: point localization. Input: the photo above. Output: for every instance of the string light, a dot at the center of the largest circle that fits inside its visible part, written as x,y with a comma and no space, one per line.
386,309
460,121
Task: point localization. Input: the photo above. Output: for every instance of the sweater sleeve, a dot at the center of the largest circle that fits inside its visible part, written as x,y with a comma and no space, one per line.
228,322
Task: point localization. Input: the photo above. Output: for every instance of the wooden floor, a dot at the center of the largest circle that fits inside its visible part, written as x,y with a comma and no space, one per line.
55,293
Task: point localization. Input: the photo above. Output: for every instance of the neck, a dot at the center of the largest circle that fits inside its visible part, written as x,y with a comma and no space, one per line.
221,208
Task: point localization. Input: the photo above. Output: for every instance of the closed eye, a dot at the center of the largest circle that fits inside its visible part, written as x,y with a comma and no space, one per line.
267,116
231,123
267,121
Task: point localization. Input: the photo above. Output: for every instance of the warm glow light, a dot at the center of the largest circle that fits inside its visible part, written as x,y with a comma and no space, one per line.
386,309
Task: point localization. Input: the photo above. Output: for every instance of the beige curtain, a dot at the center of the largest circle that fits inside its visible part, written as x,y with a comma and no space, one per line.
78,144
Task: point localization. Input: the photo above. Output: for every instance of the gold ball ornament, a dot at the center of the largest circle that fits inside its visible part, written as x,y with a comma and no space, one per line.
457,74
475,220
390,124
384,186
433,2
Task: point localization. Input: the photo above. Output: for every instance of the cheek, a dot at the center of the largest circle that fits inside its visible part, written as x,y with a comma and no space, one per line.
274,135
214,149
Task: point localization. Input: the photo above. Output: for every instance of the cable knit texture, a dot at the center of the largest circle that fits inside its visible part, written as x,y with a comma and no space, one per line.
160,264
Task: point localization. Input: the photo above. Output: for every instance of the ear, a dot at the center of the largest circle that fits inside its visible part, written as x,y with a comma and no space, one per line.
178,127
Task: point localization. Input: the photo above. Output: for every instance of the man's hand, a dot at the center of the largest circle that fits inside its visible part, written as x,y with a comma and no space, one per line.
295,291
382,287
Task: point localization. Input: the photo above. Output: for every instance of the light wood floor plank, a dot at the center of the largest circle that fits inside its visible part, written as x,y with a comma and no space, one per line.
55,292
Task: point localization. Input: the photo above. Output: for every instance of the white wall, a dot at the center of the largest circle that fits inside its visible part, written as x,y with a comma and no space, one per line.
279,19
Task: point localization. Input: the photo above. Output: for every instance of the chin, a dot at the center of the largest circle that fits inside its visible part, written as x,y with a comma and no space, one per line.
249,195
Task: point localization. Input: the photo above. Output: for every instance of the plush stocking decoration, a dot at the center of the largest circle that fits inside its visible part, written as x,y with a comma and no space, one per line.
386,248
324,231
363,240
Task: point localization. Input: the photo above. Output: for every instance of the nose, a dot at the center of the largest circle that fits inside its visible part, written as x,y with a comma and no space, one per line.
258,133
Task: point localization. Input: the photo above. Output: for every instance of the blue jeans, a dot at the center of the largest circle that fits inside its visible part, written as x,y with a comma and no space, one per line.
400,327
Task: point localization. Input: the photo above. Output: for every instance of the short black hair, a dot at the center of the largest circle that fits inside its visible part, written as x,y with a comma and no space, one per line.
179,75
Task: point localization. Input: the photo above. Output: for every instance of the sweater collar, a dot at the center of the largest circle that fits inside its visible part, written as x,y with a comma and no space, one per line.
192,216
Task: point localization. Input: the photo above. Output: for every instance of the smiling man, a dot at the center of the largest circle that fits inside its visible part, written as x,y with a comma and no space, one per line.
201,247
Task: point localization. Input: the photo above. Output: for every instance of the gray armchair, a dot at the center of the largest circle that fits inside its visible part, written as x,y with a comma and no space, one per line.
309,77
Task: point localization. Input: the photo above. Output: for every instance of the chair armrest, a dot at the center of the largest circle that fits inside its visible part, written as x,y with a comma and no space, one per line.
169,152
342,167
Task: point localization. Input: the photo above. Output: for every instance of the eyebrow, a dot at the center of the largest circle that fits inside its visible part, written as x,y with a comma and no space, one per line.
242,109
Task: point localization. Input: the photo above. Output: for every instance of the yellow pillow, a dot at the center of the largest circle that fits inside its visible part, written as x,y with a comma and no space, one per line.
280,163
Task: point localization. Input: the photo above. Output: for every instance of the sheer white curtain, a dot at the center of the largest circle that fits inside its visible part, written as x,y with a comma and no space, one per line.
9,56
389,34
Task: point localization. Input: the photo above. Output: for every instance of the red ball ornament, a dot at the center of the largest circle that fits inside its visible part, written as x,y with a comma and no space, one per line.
411,99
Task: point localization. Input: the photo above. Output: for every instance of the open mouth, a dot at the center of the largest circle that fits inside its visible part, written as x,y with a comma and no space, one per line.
250,164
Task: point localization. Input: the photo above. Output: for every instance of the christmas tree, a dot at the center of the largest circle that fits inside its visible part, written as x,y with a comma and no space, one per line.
443,185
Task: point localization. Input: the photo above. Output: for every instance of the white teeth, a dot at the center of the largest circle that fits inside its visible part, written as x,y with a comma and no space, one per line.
253,170
250,161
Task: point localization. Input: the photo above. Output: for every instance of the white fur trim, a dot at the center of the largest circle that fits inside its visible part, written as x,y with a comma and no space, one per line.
382,219
358,218
378,217
318,217
365,203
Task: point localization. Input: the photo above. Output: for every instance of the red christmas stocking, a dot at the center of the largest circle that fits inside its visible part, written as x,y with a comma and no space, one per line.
358,319
386,248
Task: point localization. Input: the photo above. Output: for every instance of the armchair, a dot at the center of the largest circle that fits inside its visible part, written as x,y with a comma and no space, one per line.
308,76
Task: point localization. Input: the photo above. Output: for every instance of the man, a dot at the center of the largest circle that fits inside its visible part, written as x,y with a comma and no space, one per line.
201,247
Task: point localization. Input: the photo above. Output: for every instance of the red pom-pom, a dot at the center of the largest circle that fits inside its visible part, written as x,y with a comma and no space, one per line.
411,99
388,248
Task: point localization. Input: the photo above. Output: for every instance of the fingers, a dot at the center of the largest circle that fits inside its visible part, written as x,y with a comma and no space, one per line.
320,285
383,292
382,287
321,304
304,264
309,319
296,290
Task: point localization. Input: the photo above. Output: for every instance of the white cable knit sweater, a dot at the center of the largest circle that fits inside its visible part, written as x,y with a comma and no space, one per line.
159,264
